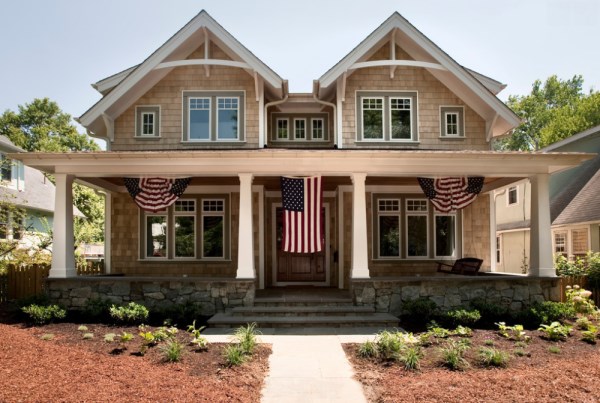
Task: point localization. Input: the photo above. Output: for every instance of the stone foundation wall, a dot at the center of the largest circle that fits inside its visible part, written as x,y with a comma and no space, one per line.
389,295
211,296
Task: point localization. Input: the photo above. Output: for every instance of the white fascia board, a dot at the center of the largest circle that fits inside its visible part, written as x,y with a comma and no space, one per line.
493,85
108,83
201,20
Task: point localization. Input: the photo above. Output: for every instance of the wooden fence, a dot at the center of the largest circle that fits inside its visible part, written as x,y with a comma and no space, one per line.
27,281
581,281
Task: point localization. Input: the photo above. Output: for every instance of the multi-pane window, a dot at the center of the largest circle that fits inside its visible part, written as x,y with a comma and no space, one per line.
512,197
227,118
445,235
579,241
400,118
389,227
185,228
199,118
416,227
452,121
300,129
372,118
148,123
317,129
156,236
386,116
282,129
451,124
498,249
5,168
560,242
213,219
213,116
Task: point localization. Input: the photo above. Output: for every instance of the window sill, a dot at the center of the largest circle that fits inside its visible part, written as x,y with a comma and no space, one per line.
196,143
184,260
394,143
452,138
147,137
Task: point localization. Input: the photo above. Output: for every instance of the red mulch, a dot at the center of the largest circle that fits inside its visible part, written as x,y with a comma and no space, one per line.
68,368
573,375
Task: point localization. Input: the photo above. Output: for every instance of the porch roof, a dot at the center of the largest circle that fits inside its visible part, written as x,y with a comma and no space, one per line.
269,162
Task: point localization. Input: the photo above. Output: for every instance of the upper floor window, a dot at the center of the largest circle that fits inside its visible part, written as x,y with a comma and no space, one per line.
213,116
300,129
512,195
452,121
147,121
560,242
282,129
317,129
12,173
387,116
6,166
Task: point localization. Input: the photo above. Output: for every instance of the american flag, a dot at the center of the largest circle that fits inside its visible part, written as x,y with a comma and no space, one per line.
155,194
451,194
302,203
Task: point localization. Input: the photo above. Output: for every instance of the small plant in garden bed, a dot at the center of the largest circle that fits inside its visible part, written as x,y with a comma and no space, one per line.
245,344
516,332
583,323
555,331
47,336
411,356
489,342
461,317
420,310
438,332
82,328
197,339
580,299
519,352
554,349
130,313
368,349
590,335
453,355
491,357
172,351
462,331
87,336
41,315
234,355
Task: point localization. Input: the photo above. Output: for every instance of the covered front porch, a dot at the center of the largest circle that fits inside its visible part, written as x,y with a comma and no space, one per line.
248,184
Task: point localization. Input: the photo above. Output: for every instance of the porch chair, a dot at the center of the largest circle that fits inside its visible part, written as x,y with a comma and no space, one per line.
466,265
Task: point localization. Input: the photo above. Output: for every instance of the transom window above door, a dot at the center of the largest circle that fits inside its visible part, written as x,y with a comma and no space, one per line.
213,116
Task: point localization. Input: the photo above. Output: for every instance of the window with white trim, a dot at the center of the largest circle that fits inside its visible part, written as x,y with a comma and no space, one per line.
213,221
282,129
156,235
300,129
417,224
452,121
213,116
579,241
6,168
388,218
560,242
147,121
445,235
317,129
512,196
185,228
386,116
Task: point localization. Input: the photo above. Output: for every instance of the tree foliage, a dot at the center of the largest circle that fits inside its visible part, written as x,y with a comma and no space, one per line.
554,110
42,126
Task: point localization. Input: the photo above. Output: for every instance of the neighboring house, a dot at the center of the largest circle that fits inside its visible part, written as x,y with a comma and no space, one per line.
574,208
204,107
32,193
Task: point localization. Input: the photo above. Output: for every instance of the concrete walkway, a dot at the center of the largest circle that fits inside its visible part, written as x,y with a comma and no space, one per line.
308,365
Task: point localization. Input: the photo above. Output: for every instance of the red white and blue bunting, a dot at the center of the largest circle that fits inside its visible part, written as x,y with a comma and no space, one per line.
155,194
451,194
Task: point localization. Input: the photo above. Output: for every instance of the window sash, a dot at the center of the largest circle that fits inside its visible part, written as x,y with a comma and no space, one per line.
148,122
389,235
451,123
400,118
317,129
417,228
512,196
185,236
157,230
199,118
445,246
300,129
5,169
228,118
560,242
282,126
372,118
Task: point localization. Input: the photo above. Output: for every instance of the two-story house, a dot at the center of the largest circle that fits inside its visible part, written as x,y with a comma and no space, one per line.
205,110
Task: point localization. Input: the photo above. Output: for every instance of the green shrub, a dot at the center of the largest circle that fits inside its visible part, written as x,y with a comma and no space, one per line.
453,355
515,332
41,315
491,357
165,333
462,331
411,356
590,335
419,311
547,312
368,349
580,299
97,310
489,311
172,351
234,355
130,313
180,313
555,331
125,337
461,317
570,268
388,345
437,331
246,338
583,323
593,266
109,337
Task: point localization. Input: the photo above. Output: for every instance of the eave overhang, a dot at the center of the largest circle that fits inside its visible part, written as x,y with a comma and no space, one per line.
275,162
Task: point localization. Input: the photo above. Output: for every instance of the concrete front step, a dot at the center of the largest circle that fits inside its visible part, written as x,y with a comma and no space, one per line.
320,302
339,310
364,320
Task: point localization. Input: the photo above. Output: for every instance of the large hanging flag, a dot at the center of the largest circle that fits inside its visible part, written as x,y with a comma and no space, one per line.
155,194
451,194
302,204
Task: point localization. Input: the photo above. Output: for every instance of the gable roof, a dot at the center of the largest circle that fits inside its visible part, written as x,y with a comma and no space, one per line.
428,55
585,205
132,83
8,146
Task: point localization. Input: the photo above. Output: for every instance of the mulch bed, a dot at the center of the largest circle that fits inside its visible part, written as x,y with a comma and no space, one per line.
69,368
540,376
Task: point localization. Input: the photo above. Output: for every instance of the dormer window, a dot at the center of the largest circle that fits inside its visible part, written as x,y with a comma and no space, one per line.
452,122
386,116
147,121
300,129
213,116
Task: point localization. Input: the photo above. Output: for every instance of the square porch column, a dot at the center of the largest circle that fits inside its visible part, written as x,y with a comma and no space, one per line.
540,255
245,268
63,244
360,256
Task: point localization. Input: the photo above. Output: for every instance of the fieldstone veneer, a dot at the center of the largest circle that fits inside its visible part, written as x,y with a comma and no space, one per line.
211,296
389,295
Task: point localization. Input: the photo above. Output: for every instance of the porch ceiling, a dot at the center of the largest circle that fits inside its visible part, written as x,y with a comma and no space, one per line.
381,166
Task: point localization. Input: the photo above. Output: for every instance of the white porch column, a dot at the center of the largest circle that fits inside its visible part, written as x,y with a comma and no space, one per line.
245,268
63,245
540,256
360,256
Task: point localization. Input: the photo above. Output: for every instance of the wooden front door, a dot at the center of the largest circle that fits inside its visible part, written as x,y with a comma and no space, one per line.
299,267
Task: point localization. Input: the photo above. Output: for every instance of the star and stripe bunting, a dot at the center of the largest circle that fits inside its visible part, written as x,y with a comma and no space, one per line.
155,194
302,203
451,194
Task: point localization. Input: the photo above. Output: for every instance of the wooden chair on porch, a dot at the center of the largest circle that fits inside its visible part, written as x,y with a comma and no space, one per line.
466,265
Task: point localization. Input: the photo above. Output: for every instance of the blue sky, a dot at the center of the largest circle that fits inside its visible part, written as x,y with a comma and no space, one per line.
57,48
